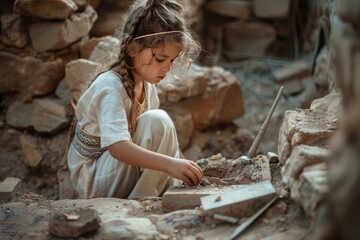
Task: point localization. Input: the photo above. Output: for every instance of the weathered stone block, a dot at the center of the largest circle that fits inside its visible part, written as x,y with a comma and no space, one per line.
9,187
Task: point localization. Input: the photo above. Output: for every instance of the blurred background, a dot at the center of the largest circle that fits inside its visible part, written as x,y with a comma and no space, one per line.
50,50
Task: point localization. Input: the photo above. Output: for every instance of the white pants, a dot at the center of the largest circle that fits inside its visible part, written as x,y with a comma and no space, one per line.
110,177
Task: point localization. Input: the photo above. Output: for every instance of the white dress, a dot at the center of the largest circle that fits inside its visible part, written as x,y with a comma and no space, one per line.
102,112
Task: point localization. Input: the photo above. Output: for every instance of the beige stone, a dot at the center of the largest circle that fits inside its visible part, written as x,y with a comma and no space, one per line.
32,155
46,36
272,8
106,51
79,74
9,187
14,31
247,39
295,70
108,22
301,157
314,126
231,8
312,188
45,115
29,75
177,198
55,9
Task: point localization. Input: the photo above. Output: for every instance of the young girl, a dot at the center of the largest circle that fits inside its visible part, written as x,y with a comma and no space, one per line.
123,146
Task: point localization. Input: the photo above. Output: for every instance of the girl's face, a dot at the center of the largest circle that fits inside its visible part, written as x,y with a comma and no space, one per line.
152,65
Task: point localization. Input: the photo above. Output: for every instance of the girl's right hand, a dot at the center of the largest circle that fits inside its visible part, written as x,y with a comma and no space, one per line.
186,170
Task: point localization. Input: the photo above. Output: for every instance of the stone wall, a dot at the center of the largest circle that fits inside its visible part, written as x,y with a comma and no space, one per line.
49,53
319,147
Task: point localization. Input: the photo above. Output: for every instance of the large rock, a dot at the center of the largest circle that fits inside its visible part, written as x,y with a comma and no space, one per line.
314,126
79,74
106,51
28,75
213,96
274,9
128,228
247,39
14,30
301,157
230,8
46,36
45,115
55,9
109,21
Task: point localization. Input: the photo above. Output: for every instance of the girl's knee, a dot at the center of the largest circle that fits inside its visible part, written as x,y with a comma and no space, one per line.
156,119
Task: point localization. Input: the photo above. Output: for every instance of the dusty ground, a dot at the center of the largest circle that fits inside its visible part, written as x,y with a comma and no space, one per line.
40,184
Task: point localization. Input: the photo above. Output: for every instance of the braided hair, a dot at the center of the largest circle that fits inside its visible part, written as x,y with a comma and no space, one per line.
149,17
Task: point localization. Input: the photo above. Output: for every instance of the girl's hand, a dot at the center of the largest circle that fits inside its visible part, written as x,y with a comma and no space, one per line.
186,170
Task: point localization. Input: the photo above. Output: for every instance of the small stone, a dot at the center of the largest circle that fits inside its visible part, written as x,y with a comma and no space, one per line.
74,223
273,157
9,187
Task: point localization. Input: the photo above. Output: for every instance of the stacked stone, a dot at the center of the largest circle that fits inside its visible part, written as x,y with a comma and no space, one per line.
304,143
339,216
235,30
321,168
49,54
38,39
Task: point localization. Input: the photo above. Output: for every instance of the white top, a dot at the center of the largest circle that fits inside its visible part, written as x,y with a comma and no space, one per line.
104,108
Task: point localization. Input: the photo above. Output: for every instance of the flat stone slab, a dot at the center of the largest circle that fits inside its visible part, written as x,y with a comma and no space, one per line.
183,197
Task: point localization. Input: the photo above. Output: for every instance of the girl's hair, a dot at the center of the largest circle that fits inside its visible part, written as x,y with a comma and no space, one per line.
151,17
165,17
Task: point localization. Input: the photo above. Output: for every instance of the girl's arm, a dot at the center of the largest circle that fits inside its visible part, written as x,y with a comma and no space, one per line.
130,153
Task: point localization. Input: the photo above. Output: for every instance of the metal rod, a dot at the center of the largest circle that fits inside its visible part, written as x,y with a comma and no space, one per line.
263,128
250,220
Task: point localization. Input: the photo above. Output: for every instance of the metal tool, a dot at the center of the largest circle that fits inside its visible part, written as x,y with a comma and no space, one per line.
250,220
262,130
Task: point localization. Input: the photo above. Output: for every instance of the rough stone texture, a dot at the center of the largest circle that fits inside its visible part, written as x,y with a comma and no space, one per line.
32,156
240,202
46,36
106,51
33,212
314,126
109,21
9,187
45,115
301,157
79,73
128,228
244,40
29,75
55,9
237,9
213,96
86,47
176,221
313,188
184,126
13,30
62,91
182,197
193,83
74,223
272,8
